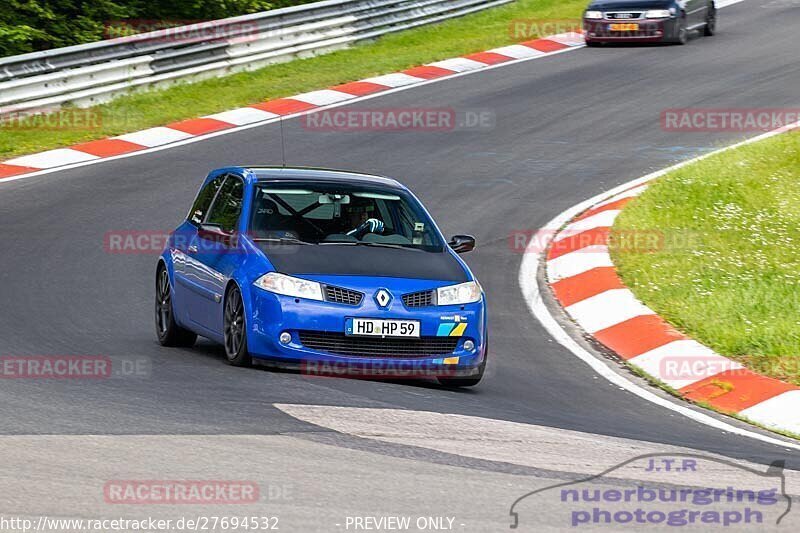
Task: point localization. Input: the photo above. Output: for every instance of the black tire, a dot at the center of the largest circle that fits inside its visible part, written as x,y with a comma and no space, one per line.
711,22
593,44
168,331
235,328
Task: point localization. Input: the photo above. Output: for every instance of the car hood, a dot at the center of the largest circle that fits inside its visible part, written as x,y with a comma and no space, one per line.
605,5
344,260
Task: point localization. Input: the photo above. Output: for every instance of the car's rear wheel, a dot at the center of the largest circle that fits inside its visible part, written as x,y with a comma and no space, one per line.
593,44
168,331
711,22
235,330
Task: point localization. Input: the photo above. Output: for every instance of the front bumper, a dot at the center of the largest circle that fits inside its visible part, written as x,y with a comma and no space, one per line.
649,30
319,346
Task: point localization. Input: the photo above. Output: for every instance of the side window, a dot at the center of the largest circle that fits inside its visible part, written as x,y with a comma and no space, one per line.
228,206
204,199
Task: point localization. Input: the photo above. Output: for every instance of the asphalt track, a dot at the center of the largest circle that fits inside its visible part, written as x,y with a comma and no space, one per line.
565,128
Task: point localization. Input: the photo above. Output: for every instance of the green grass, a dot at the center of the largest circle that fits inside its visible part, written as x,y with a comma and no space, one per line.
728,273
456,37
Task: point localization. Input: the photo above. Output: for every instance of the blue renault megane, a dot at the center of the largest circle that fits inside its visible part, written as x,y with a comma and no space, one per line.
331,272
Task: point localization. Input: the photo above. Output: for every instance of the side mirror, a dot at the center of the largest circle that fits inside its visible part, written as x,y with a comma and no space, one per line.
462,244
215,233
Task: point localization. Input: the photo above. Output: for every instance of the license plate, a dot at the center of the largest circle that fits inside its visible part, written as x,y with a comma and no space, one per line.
624,27
376,327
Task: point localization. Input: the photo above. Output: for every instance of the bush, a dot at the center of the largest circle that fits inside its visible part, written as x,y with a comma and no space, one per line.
33,25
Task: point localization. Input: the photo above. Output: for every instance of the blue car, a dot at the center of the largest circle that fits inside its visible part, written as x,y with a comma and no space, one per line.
329,272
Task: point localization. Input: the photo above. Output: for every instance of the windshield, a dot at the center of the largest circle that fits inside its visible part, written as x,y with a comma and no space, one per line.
340,215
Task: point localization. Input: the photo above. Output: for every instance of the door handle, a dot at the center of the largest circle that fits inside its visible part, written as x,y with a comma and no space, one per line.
192,249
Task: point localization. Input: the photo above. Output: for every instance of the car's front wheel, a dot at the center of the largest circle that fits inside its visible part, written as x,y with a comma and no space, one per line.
235,330
168,331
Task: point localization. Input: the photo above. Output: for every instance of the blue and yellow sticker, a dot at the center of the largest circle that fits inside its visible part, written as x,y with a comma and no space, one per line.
453,326
451,329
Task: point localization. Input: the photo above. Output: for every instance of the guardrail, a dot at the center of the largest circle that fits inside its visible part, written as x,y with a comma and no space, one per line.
94,73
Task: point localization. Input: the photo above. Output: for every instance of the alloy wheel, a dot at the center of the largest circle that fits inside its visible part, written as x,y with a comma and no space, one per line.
234,323
163,303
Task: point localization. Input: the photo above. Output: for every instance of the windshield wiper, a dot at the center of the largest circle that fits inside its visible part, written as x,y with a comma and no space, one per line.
283,240
375,244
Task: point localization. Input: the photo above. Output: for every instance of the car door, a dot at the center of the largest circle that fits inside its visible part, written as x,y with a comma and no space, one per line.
216,254
184,246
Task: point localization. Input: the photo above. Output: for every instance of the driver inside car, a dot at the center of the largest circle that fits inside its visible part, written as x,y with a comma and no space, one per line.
362,223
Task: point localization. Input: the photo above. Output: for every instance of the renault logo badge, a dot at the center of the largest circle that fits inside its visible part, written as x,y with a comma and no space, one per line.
383,298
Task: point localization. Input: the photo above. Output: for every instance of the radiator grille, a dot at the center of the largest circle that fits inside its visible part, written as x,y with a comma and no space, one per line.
342,296
418,299
341,344
624,15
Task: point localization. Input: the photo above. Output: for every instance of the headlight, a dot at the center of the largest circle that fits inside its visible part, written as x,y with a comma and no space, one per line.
593,15
289,286
464,293
657,14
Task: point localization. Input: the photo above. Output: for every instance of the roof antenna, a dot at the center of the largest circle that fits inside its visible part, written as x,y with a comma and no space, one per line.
283,144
